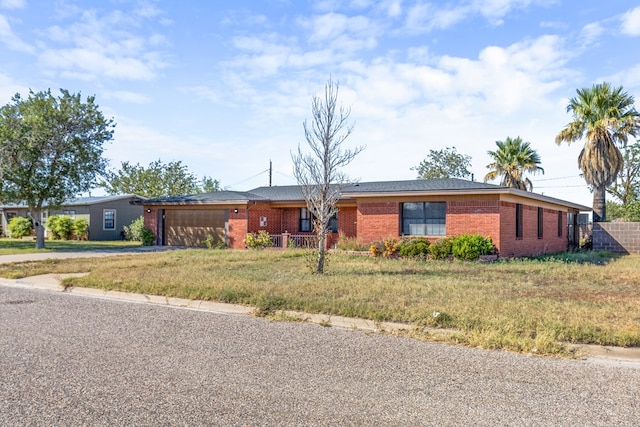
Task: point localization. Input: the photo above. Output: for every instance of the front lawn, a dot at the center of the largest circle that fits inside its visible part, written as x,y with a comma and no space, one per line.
521,305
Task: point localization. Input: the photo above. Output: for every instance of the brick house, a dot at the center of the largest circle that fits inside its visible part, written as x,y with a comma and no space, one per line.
520,223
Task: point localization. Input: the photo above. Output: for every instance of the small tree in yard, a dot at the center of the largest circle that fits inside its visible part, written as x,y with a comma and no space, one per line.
318,173
50,150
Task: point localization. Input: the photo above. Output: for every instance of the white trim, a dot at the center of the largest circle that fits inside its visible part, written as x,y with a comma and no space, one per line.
104,212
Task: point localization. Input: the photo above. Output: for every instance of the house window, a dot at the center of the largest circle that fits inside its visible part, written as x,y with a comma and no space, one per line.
518,221
70,213
109,219
306,221
424,218
540,222
560,227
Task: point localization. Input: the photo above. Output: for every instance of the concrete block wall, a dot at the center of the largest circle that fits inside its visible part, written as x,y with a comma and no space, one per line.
623,237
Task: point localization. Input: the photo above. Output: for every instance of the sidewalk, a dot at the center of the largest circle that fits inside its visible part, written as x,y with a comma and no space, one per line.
605,355
98,253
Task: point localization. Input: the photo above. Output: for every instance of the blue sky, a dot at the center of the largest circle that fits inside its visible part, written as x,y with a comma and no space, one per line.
225,86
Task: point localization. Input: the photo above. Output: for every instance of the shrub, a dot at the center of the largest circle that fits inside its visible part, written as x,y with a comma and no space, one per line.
414,247
61,227
471,246
211,243
148,238
19,227
81,229
387,247
441,248
137,232
134,230
259,240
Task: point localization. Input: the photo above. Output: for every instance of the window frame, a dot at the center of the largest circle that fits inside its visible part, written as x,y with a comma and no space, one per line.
104,219
332,226
519,215
540,223
432,225
560,224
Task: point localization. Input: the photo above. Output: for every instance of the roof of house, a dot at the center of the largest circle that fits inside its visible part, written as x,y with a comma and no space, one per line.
81,201
293,193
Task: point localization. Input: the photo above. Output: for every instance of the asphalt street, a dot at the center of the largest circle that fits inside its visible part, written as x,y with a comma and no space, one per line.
69,360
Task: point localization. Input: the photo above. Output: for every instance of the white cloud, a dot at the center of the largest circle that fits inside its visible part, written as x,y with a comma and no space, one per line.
425,17
590,33
12,41
12,4
631,22
103,46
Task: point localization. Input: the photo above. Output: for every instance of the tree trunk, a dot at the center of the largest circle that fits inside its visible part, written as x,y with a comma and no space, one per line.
599,204
321,253
36,215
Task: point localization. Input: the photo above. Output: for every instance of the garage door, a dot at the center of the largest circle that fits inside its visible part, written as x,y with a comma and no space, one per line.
192,227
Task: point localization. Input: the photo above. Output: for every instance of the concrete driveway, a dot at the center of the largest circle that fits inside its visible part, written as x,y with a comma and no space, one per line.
72,360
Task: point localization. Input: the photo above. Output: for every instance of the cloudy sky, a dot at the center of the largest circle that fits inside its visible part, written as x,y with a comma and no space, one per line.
225,86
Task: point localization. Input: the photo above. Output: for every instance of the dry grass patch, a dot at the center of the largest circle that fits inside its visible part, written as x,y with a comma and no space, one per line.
526,305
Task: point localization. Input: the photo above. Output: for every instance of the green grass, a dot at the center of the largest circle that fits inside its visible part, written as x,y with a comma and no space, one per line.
522,305
17,246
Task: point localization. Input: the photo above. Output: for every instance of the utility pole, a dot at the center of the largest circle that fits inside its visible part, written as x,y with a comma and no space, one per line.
270,172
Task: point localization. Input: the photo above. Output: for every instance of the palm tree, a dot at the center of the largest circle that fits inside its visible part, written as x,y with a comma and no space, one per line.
511,160
605,116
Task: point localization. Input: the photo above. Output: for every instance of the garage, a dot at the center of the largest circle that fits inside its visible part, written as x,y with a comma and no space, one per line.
192,227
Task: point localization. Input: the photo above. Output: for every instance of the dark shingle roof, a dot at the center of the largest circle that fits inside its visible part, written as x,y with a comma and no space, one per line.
421,185
293,193
205,198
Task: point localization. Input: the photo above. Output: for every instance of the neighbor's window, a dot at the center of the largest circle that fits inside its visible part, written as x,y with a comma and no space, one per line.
560,225
109,219
518,221
70,213
424,218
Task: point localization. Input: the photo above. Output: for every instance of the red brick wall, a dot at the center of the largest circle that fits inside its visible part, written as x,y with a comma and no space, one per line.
377,220
530,244
274,219
474,217
348,221
151,221
237,228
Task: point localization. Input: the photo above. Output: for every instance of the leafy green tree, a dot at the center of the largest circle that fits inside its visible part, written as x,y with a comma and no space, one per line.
209,185
511,161
445,163
605,117
627,187
156,180
50,150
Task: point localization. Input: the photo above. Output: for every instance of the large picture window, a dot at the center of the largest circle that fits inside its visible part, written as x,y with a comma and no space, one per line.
424,219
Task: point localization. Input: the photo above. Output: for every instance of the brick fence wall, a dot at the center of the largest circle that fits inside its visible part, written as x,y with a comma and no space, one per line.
616,237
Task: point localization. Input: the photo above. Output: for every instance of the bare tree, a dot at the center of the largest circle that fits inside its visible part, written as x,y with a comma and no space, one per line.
318,173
